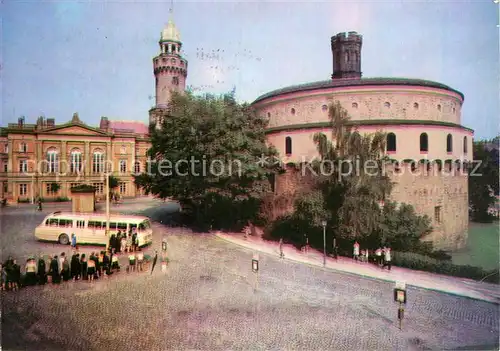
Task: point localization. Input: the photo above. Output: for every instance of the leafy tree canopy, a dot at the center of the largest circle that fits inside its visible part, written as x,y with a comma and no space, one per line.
206,155
483,179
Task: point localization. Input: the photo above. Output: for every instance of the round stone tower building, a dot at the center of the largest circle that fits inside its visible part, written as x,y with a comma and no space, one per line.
170,70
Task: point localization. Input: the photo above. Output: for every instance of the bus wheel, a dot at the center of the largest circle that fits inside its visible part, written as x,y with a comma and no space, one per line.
63,239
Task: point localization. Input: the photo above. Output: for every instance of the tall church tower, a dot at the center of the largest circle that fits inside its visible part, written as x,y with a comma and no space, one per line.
346,53
170,70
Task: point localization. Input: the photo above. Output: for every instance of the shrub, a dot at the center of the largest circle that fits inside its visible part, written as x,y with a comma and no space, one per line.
424,263
61,199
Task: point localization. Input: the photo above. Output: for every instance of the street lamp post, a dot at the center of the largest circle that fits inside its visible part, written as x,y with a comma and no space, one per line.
107,208
324,242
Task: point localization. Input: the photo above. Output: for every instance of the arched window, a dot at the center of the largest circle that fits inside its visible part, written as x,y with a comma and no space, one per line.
269,115
424,142
76,161
324,108
292,111
288,146
391,142
387,104
354,105
52,161
347,56
465,145
98,162
415,105
449,143
439,107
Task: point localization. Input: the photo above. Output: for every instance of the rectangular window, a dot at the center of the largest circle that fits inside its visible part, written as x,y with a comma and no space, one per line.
5,167
99,188
5,187
53,222
23,147
122,226
137,168
49,189
123,188
67,223
6,148
23,166
123,166
80,224
437,214
23,189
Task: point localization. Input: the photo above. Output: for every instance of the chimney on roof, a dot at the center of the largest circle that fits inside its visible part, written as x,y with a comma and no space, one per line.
75,118
51,122
104,125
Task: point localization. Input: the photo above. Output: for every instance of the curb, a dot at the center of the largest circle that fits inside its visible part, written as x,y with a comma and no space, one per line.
497,302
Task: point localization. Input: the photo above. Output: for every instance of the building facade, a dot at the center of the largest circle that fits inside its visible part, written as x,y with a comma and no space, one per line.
47,159
422,120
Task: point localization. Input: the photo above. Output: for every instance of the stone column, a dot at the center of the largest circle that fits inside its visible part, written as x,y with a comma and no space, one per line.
64,158
133,150
87,160
10,159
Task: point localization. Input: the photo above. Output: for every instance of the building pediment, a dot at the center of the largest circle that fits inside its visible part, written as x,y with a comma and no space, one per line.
72,129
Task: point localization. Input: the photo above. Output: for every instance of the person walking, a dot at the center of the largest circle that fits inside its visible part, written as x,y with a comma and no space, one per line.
378,256
16,276
131,261
73,241
282,255
387,258
356,251
84,267
123,243
140,260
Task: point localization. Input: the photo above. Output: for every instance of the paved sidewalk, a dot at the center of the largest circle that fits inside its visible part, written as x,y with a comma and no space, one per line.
451,285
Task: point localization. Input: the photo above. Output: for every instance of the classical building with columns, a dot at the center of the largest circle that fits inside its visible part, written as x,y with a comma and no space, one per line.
34,157
47,159
422,120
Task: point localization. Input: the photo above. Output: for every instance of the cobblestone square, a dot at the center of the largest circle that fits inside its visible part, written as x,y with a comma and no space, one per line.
206,301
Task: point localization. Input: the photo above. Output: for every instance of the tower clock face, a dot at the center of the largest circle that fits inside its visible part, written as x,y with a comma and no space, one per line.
175,80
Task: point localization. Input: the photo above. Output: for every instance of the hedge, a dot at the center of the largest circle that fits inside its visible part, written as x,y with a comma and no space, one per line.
424,263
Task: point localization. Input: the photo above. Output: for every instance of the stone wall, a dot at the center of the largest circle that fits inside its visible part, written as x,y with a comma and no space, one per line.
364,103
424,190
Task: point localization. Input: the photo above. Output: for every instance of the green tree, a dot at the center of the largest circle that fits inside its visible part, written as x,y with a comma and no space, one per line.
349,197
206,156
353,192
483,180
54,187
113,182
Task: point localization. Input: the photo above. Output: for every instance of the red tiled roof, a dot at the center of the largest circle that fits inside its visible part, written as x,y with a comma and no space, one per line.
129,126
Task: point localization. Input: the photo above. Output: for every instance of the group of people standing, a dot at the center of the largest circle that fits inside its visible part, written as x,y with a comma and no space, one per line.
121,242
382,255
60,268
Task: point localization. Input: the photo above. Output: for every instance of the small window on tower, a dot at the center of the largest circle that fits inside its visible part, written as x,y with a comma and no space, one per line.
173,60
354,105
175,80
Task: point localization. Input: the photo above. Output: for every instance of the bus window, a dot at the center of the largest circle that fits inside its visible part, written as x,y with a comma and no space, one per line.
96,225
122,226
112,225
66,223
80,224
144,225
133,226
53,222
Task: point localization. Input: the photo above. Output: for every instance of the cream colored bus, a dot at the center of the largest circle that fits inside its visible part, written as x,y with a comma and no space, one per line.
91,228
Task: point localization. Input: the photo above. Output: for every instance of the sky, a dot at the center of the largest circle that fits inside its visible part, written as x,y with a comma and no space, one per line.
95,58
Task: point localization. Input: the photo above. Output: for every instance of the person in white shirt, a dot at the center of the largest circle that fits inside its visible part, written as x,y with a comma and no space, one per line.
387,257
